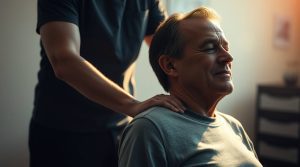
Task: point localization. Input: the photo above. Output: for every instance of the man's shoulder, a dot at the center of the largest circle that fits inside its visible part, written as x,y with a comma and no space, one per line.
157,113
157,116
230,119
151,120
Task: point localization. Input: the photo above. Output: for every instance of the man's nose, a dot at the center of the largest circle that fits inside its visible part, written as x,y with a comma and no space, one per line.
225,56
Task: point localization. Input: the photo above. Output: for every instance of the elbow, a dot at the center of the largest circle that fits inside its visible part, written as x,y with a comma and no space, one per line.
61,65
59,71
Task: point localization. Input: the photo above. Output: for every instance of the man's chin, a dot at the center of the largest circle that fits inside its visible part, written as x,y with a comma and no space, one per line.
226,88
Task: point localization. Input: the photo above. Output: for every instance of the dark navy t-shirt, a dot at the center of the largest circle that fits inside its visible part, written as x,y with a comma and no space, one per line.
111,35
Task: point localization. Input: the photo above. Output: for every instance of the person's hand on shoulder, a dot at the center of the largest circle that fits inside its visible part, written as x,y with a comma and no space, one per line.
162,100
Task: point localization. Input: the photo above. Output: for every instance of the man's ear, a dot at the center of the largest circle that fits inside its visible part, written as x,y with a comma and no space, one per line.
168,65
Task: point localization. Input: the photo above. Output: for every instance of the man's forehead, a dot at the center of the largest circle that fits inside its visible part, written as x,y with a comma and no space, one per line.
199,24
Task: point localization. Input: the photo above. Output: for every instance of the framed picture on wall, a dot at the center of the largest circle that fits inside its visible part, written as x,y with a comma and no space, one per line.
174,6
282,31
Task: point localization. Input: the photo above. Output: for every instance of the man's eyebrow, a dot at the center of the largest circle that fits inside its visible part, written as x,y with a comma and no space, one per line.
221,41
209,40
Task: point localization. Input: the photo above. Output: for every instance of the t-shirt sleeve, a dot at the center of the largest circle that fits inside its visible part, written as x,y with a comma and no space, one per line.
57,10
157,14
142,145
247,141
238,128
245,138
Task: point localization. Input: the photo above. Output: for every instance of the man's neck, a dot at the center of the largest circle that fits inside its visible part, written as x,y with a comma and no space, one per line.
204,105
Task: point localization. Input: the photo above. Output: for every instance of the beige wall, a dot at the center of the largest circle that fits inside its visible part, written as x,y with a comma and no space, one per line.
248,25
18,66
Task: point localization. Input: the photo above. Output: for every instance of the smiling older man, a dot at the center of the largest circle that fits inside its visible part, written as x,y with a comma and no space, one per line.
190,57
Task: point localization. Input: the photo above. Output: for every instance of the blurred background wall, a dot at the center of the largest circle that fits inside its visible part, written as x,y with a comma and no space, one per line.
249,26
19,48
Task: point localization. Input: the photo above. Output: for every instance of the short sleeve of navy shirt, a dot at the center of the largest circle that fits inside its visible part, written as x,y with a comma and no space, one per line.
57,10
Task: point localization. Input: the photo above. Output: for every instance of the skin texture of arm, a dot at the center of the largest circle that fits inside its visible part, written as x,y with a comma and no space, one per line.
61,41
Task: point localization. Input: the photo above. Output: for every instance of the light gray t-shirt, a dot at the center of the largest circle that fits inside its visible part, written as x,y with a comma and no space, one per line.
162,138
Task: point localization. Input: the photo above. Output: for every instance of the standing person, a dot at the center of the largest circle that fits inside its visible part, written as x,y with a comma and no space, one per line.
88,49
190,57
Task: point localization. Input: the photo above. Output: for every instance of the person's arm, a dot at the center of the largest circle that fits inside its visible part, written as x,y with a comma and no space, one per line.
61,41
142,145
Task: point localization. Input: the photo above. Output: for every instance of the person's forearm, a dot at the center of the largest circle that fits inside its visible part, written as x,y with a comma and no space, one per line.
86,79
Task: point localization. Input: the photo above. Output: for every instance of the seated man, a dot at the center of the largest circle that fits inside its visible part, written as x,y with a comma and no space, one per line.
190,57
